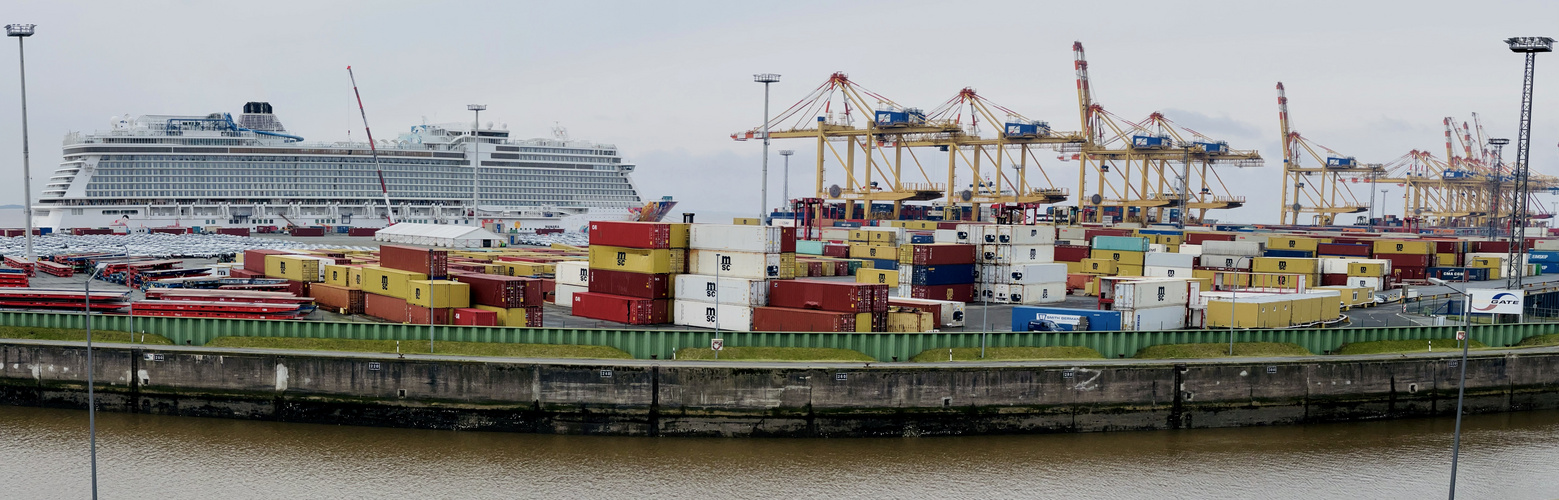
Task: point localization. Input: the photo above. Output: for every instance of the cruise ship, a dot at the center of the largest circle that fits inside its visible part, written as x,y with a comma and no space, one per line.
215,171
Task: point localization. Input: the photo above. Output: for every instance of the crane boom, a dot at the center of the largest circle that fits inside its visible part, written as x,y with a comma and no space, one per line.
389,211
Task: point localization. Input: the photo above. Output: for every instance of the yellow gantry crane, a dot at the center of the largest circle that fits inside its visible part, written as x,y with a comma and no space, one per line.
1466,190
1134,163
1321,190
888,131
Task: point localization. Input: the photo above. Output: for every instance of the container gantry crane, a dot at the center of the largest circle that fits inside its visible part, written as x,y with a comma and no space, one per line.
1142,156
1321,190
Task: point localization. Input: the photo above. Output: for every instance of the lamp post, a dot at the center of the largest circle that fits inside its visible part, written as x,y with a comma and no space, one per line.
1531,46
21,32
1461,387
763,204
786,190
86,300
476,155
1499,148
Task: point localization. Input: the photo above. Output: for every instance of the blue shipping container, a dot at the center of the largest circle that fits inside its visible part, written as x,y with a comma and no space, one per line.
843,223
1092,320
917,239
1459,273
939,275
1537,256
888,264
1549,267
1160,231
1121,243
1301,254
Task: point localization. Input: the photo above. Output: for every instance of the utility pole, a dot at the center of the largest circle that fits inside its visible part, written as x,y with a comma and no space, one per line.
21,32
1499,180
763,204
476,155
1531,46
786,153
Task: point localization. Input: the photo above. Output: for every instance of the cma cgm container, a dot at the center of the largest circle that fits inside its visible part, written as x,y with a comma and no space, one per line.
644,286
740,291
629,310
434,263
828,295
639,234
779,319
708,315
503,291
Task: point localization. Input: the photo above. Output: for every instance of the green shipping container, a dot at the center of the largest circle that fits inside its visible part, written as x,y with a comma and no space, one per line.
1120,243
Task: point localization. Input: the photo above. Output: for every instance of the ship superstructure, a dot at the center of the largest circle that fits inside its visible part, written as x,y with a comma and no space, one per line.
214,170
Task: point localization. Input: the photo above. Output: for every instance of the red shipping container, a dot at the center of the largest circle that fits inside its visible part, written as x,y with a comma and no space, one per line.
779,319
842,251
1334,279
362,231
630,284
629,310
475,317
1402,260
235,231
244,273
879,322
385,307
942,254
1078,281
1198,238
961,293
307,231
1410,273
947,225
787,240
298,288
827,295
418,315
1491,246
503,291
1071,253
254,260
434,263
630,234
533,317
1343,249
1449,246
841,268
1092,232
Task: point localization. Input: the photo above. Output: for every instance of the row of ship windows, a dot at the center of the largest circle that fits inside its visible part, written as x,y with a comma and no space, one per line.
288,161
334,186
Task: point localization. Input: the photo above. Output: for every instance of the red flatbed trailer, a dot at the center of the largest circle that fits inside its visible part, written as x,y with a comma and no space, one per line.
55,269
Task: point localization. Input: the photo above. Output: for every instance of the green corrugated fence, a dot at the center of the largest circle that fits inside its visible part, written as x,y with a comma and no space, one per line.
644,343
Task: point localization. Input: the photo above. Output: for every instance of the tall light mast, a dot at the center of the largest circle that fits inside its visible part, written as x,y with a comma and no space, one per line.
476,153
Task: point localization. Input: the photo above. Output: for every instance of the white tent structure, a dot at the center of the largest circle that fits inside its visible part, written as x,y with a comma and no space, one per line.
438,235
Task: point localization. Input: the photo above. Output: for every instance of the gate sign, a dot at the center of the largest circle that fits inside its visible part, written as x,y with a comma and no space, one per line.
1497,301
716,344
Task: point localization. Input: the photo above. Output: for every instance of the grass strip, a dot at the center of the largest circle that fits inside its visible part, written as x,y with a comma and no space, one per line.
1007,354
1404,346
421,347
1539,340
774,354
1221,350
79,335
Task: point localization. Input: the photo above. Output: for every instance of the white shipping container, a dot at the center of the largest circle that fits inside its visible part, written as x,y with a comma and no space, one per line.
736,291
1158,318
1363,282
734,238
1025,254
563,295
1162,259
726,264
705,315
1227,261
1020,235
1238,248
572,272
1546,244
1166,272
1001,293
987,254
1156,247
835,234
1042,293
1335,265
971,233
1149,294
952,311
1189,249
985,273
947,236
1033,274
1072,233
985,292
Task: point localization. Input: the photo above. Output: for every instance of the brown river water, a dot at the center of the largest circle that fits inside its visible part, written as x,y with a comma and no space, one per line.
43,454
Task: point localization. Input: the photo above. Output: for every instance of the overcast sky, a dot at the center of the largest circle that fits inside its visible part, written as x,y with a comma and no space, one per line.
668,82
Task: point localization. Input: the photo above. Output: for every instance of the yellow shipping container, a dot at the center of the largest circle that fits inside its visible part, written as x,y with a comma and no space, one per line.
873,251
1119,256
1293,243
1128,270
392,282
1445,259
355,277
679,238
1289,281
1238,314
638,260
1290,265
1074,267
1369,270
859,235
886,237
513,268
1415,247
877,276
338,275
910,322
439,294
1222,279
1099,266
863,322
514,317
746,221
1491,262
292,267
787,261
1280,314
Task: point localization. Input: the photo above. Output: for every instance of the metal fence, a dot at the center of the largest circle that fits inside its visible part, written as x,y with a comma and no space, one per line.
660,344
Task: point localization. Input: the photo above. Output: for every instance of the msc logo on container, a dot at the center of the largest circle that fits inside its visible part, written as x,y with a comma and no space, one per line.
384,282
1282,265
1291,243
709,289
709,314
1399,247
283,266
622,259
